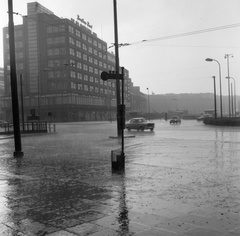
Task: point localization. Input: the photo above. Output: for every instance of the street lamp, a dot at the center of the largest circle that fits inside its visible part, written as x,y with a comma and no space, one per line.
148,105
215,101
227,56
235,101
210,59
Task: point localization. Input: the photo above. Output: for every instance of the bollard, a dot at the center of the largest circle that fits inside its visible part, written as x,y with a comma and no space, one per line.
117,160
54,128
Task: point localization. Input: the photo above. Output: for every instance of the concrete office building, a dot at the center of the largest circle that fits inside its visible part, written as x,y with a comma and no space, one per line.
1,91
61,61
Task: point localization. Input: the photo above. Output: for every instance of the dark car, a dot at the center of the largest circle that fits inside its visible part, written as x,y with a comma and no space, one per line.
139,124
175,120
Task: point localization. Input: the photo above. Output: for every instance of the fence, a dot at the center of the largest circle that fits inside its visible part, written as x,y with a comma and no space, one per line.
28,127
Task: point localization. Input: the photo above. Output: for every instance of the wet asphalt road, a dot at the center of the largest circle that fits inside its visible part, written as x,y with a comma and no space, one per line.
179,180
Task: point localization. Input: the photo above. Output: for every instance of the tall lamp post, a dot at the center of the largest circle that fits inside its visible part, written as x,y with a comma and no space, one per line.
220,84
215,100
148,105
235,101
15,109
229,103
117,70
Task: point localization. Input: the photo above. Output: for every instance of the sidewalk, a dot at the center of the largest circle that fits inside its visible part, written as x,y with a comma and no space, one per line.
64,186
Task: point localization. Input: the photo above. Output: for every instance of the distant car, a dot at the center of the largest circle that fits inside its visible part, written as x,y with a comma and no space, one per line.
175,120
139,124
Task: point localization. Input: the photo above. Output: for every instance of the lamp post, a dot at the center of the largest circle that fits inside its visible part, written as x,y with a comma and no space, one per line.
220,84
215,100
15,109
117,70
148,105
229,104
235,101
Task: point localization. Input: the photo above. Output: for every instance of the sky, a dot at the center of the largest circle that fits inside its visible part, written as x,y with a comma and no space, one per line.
169,40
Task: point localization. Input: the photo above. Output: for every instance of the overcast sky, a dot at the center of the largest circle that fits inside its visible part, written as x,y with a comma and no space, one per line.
164,65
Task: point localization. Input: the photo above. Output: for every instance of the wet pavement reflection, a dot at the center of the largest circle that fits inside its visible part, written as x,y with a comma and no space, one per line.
179,180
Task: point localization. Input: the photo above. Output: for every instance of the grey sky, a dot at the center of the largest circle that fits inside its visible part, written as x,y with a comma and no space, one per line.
174,65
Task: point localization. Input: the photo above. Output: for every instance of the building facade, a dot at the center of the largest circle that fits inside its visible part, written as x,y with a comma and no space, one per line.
60,62
1,91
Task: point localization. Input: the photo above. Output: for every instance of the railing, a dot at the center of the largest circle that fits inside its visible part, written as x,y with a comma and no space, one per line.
29,127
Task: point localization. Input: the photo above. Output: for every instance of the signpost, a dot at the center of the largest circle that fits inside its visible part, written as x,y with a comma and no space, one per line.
118,163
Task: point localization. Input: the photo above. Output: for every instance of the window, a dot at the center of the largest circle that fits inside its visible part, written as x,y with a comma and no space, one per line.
100,45
96,71
96,80
79,65
80,87
71,40
85,57
90,50
90,59
91,88
96,89
84,47
89,39
91,79
79,76
85,67
85,87
49,41
73,74
84,37
78,43
91,69
70,28
79,54
78,33
71,51
85,77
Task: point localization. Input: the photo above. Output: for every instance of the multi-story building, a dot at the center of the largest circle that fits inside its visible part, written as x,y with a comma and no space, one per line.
61,61
1,91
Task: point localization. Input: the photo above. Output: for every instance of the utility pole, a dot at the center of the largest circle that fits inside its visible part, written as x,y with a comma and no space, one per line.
117,70
229,100
15,109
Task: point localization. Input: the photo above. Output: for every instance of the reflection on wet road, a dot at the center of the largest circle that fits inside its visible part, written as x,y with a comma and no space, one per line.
64,184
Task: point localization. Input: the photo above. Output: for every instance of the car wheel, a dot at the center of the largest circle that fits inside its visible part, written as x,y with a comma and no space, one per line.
151,129
141,128
128,129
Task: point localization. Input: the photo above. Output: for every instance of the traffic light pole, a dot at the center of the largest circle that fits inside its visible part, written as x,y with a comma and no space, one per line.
118,158
15,109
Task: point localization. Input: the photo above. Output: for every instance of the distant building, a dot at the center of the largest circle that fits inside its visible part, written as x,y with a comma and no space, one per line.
1,91
61,61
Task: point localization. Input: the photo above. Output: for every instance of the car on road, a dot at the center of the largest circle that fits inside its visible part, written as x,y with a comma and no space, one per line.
175,120
139,123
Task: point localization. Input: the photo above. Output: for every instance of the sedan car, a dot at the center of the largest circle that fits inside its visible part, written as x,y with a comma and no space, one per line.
175,120
139,124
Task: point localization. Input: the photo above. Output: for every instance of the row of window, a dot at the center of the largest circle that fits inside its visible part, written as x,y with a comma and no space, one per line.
87,88
76,53
87,38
